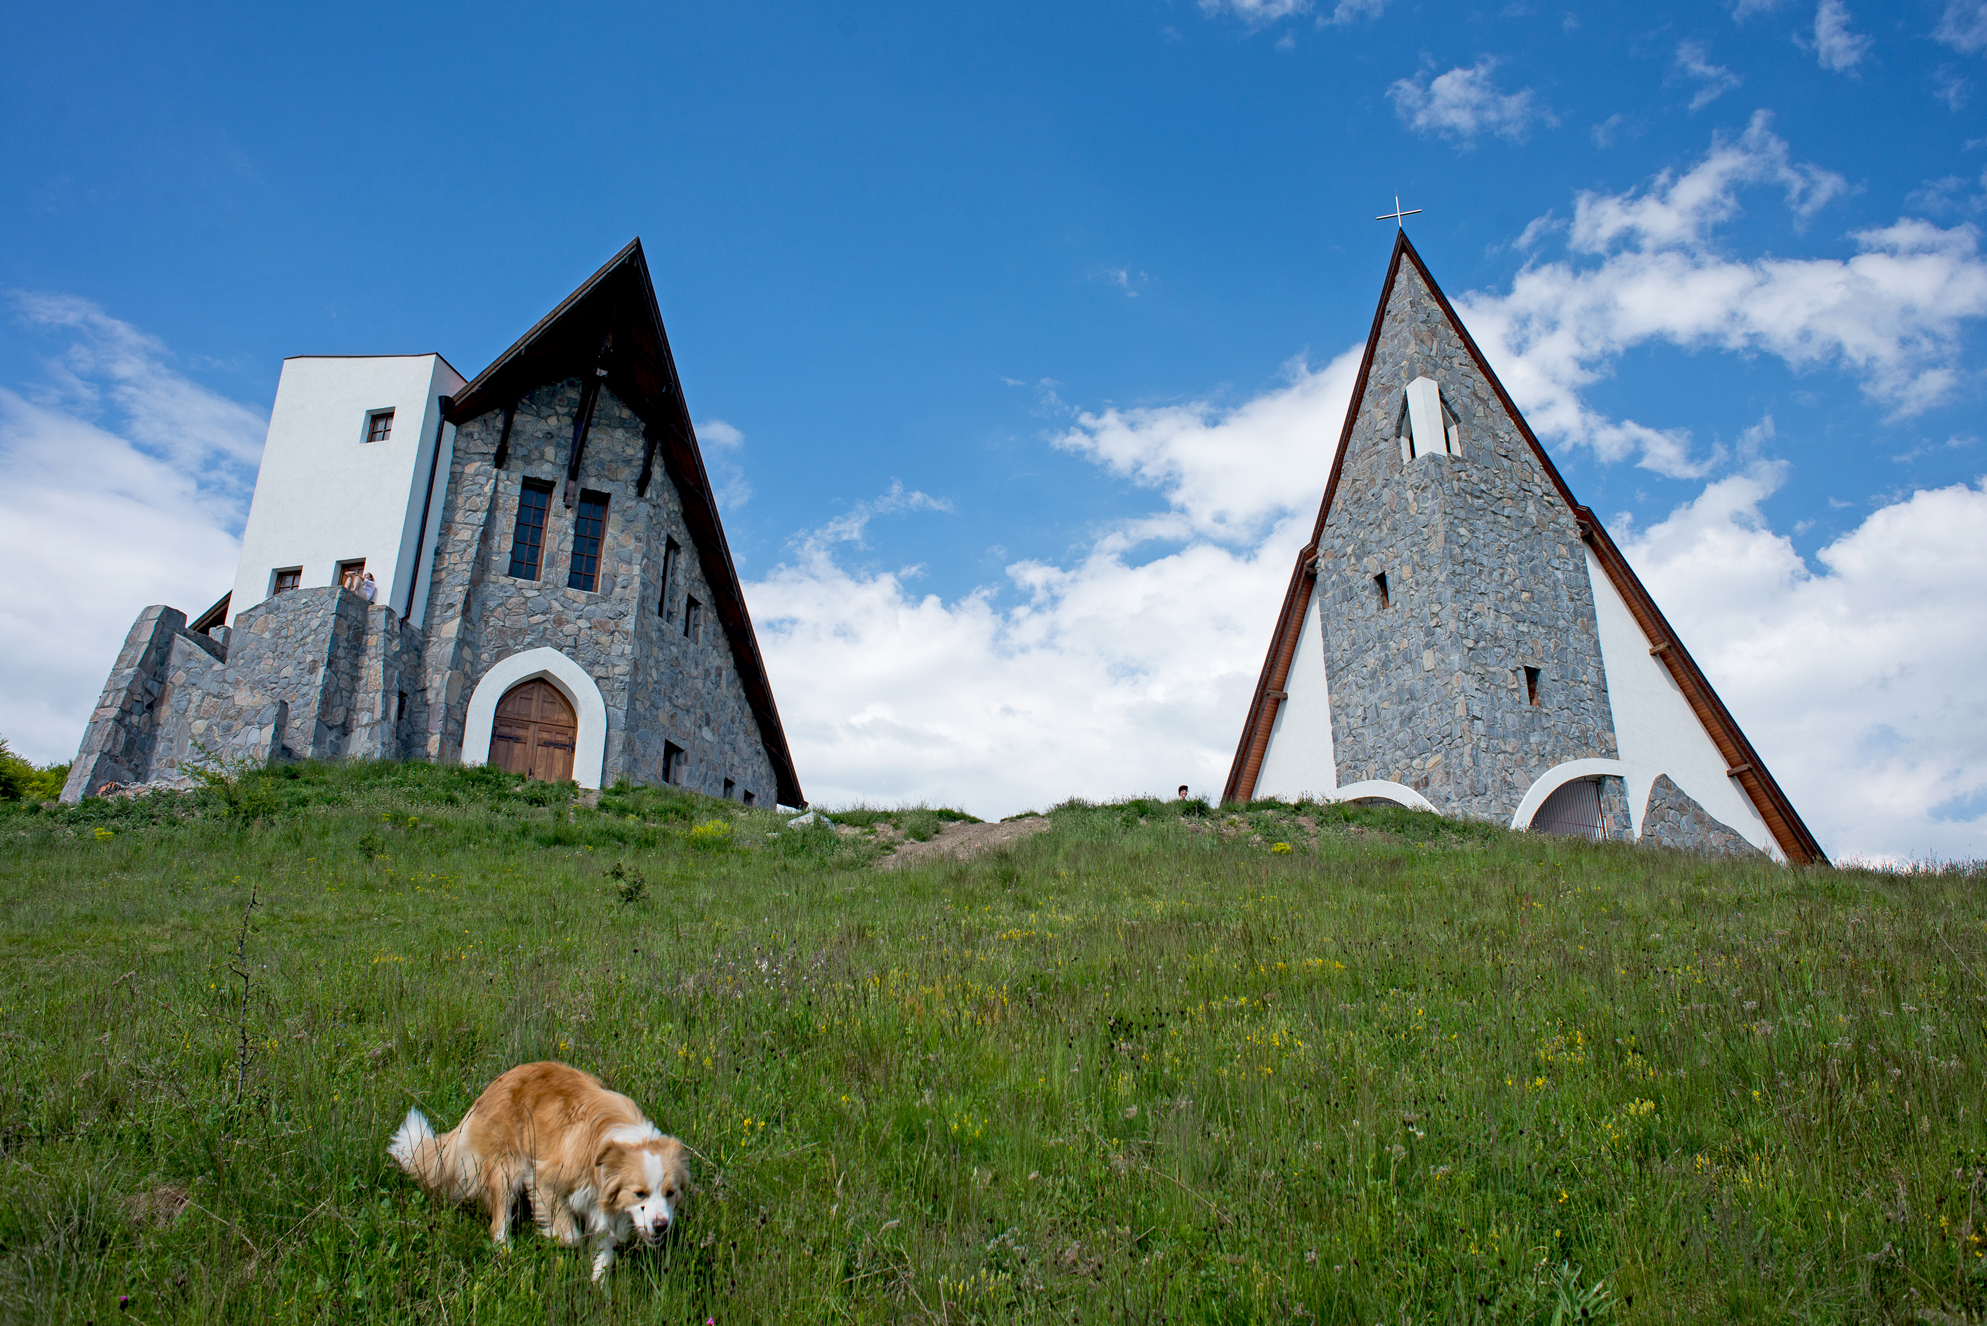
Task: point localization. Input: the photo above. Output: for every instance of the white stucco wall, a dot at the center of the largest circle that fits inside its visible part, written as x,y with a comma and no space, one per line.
1657,731
325,495
1299,756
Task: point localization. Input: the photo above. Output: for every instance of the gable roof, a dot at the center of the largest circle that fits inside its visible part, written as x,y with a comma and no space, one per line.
1742,761
619,299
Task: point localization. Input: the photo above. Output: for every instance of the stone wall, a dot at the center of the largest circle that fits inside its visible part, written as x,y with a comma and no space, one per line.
1486,576
1673,819
656,685
1617,824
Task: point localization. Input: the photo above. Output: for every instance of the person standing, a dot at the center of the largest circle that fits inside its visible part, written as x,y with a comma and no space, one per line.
368,588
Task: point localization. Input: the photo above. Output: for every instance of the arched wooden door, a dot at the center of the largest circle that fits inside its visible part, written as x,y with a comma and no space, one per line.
533,732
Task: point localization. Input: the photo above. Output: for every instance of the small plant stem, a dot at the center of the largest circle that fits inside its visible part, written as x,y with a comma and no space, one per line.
241,970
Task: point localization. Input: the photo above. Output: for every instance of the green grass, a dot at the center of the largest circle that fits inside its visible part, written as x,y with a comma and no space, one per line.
1166,1062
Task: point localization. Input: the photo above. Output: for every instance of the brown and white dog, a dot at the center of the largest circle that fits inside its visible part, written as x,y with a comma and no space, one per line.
593,1167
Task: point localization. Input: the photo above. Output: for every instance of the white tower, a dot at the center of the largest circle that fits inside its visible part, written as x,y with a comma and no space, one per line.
356,462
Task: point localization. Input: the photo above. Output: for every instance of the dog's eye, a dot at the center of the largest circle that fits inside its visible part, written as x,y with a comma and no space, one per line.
642,1196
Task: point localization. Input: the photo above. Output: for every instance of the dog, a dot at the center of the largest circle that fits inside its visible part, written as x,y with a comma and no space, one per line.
594,1168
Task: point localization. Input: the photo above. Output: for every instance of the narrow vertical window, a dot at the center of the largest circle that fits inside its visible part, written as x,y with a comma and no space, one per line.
534,502
400,710
671,550
693,621
379,425
728,785
1380,584
589,531
1531,686
672,762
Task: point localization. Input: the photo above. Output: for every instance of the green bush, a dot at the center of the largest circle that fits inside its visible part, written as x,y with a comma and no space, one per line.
21,780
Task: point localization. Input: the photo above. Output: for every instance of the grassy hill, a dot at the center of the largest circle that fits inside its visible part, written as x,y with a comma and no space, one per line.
1159,1063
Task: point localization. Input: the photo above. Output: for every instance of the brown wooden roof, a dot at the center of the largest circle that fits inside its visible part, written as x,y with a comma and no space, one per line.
641,371
1742,761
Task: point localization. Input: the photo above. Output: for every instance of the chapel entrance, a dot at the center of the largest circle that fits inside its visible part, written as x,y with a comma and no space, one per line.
533,732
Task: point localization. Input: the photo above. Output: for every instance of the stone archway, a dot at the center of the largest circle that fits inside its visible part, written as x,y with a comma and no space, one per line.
533,732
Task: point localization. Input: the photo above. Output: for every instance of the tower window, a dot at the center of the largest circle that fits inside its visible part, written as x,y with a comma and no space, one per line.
672,762
589,531
1531,686
671,550
693,621
1380,583
379,425
1426,423
534,502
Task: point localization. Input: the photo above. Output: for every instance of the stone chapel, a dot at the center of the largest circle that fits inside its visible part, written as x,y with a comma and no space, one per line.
525,569
1461,636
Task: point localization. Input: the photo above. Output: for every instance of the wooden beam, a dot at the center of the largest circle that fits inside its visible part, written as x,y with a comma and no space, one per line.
583,417
504,439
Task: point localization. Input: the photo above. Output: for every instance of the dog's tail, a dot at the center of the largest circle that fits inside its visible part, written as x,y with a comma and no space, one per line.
435,1163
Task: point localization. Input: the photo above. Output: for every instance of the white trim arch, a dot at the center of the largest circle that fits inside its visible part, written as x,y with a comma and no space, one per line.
1557,777
573,681
1399,793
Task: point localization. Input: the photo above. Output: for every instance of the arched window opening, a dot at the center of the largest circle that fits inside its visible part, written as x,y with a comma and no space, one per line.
1573,809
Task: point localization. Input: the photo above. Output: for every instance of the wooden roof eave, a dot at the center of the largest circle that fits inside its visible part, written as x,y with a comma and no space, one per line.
1789,831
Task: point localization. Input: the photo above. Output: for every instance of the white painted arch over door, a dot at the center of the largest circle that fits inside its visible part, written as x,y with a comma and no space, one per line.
572,681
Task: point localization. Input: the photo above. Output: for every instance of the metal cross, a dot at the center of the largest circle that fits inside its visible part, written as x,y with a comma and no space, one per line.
1396,215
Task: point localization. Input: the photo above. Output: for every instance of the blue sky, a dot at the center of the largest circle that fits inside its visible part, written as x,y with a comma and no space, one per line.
987,310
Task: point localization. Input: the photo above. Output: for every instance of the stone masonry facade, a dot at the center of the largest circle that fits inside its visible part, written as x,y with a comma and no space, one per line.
315,673
320,674
1673,819
658,684
1486,577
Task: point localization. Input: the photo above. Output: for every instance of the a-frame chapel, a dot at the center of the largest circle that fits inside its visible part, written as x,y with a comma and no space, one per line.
1461,636
526,569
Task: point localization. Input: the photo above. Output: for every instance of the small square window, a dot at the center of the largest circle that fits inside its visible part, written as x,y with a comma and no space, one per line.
728,786
672,762
287,580
749,799
379,425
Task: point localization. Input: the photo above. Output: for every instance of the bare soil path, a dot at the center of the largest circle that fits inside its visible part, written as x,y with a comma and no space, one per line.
963,842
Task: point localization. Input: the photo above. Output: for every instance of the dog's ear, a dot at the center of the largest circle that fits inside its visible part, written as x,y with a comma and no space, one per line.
607,1182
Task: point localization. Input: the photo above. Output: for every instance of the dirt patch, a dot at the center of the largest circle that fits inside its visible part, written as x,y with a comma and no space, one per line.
161,1206
963,842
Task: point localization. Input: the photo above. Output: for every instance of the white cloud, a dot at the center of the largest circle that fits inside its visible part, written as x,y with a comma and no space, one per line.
1255,13
126,483
1856,681
1890,315
1465,102
1349,11
1694,62
722,445
853,526
1835,46
1963,26
1744,9
1604,133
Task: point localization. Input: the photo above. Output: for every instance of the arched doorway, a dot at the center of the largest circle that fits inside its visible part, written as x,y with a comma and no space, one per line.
533,732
